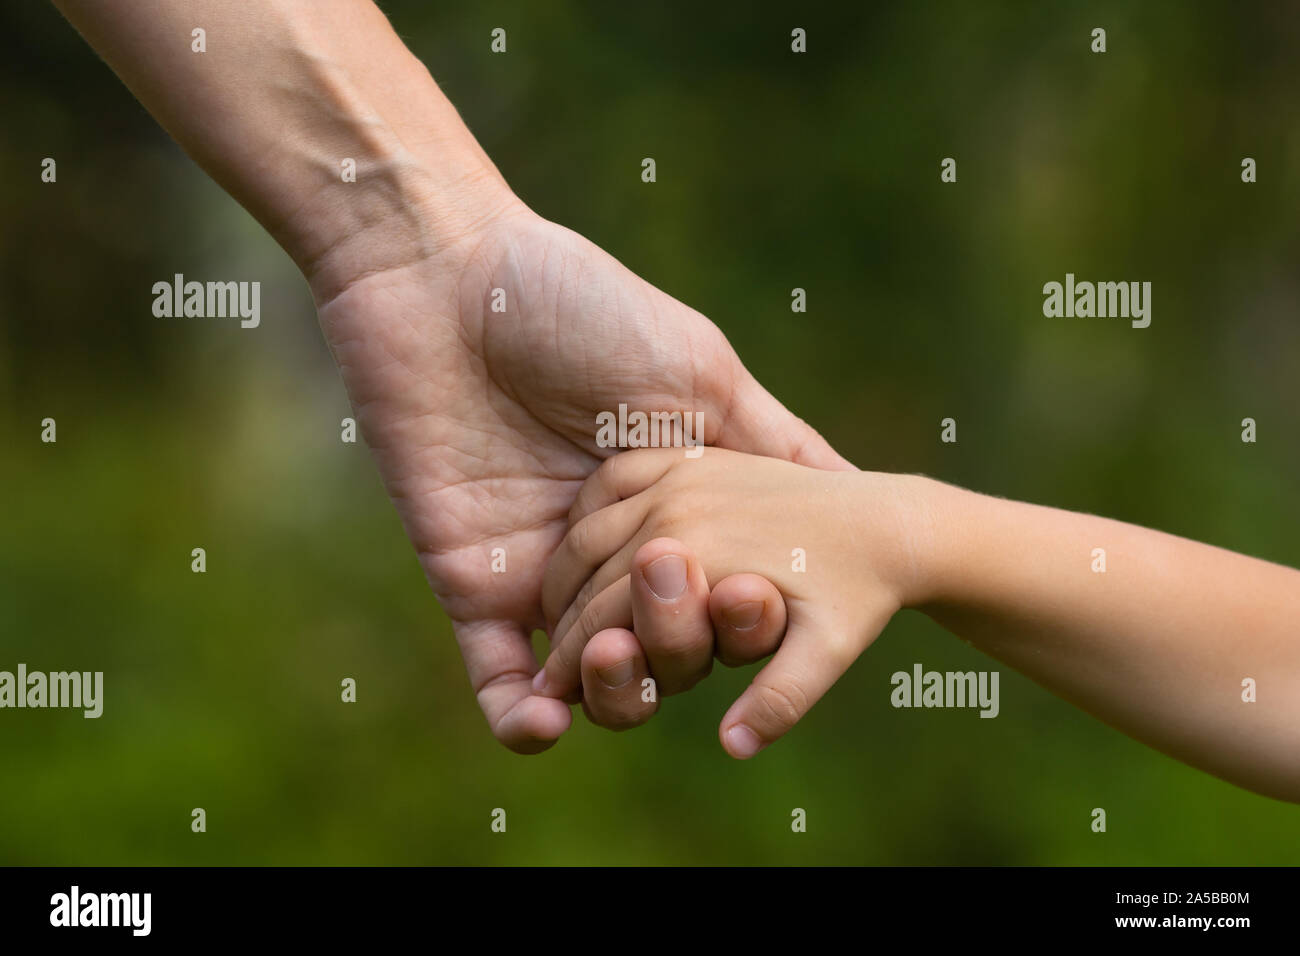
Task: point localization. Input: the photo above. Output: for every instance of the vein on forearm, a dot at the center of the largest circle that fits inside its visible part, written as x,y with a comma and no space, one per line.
287,90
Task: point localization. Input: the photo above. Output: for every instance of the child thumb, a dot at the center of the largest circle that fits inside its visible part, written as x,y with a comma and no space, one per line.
808,662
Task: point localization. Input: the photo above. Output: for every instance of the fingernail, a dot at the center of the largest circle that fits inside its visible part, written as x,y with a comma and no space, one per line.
743,616
666,576
540,681
616,675
743,742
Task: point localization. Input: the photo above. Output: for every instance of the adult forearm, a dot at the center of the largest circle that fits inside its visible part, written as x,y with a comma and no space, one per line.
1153,633
286,92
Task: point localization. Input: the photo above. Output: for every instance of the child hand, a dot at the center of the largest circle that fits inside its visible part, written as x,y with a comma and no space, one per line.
837,545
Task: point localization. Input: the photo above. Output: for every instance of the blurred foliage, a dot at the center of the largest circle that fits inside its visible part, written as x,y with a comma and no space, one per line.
775,171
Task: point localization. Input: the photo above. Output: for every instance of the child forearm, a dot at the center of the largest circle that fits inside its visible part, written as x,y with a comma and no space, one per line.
1159,636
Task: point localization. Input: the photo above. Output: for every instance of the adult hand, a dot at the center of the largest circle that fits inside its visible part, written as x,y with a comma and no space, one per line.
323,125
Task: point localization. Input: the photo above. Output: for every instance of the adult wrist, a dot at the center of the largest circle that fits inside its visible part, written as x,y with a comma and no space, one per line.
400,212
379,172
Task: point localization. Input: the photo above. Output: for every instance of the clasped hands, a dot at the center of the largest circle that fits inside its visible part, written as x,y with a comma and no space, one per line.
483,424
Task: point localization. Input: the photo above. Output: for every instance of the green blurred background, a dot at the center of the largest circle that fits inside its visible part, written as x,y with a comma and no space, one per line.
774,171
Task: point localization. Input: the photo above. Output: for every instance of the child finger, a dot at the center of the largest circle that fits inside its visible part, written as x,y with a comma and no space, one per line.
615,673
670,614
748,615
587,546
562,672
621,476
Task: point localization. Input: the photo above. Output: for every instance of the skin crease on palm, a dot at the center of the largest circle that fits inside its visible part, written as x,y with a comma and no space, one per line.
483,423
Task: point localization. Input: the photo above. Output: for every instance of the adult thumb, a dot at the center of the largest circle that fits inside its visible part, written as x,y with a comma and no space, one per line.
758,424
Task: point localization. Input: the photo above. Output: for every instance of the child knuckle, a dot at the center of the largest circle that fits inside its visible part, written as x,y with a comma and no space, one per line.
578,540
781,702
